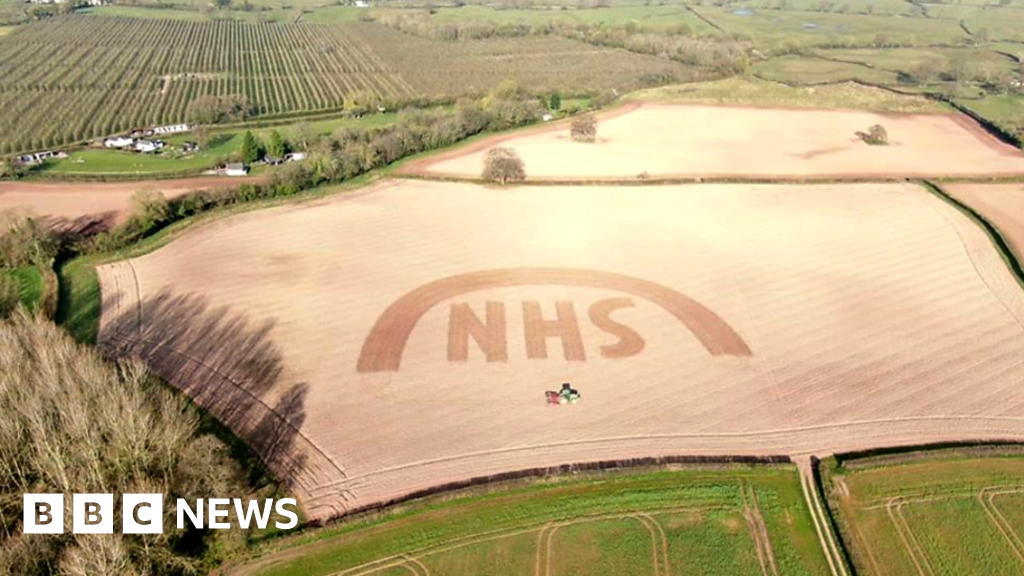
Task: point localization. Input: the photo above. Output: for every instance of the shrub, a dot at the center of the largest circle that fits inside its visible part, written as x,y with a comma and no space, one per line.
584,129
503,165
875,136
25,241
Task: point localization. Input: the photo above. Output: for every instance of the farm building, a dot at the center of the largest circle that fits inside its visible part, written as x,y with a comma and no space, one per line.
146,146
40,157
172,129
118,142
236,169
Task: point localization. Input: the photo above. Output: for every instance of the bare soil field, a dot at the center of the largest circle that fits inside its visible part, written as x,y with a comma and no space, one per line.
73,200
700,141
397,339
1001,204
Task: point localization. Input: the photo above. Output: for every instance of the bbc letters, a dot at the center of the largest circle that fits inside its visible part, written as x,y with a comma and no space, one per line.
144,513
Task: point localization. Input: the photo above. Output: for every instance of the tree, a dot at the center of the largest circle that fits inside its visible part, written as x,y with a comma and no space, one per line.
75,423
250,148
150,210
584,129
503,165
555,103
276,148
303,135
876,135
202,135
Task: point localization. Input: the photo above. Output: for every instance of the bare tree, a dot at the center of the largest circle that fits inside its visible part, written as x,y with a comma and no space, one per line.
584,129
503,165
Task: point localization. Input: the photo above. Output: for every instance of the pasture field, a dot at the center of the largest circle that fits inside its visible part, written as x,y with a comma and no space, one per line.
224,144
711,520
752,91
945,515
811,70
655,17
773,29
1001,204
701,319
673,141
68,79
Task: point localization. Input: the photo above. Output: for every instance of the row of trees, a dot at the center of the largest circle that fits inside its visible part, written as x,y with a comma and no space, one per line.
343,155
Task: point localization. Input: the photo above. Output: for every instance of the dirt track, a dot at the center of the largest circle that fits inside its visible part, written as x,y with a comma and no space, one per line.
73,200
873,315
698,141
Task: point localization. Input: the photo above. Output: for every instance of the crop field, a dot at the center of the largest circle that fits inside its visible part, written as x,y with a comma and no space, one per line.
939,516
672,141
70,201
728,521
701,319
72,78
1001,204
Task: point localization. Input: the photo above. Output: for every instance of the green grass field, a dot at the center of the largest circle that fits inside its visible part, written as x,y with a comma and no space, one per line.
748,91
773,29
947,513
225,143
687,521
811,70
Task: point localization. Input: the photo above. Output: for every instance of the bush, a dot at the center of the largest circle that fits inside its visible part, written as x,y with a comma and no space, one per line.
25,241
503,165
875,136
584,129
10,294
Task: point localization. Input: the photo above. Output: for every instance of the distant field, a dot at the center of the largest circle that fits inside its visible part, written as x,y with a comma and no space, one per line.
68,79
655,16
1006,111
875,7
709,141
811,70
746,91
949,516
721,521
772,29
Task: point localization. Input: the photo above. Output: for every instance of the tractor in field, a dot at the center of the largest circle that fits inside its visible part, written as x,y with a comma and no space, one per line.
567,395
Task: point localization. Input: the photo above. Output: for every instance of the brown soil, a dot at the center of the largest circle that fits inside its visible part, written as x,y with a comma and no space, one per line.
663,141
109,200
1001,204
869,315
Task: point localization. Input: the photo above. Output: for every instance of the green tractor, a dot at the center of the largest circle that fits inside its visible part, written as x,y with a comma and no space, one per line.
567,395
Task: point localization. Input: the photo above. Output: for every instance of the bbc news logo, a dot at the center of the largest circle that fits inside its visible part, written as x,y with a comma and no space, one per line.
144,513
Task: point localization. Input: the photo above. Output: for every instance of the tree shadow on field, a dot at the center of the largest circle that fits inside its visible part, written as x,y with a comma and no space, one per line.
225,363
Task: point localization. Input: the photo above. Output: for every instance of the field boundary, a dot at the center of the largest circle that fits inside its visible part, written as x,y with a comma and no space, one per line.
1010,257
556,471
